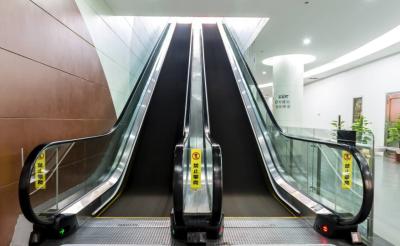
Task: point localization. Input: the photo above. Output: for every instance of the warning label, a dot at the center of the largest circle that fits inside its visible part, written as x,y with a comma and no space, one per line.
40,175
347,170
195,169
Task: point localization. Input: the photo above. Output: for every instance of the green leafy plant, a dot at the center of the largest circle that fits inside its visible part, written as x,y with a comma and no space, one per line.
393,133
363,130
337,125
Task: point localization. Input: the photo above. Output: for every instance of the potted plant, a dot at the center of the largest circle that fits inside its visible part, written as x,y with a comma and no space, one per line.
337,126
364,132
393,137
340,135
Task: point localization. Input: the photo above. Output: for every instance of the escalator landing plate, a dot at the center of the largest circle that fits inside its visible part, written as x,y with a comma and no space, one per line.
156,231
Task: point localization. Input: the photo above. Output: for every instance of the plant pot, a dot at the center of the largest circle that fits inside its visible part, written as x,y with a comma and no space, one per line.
346,137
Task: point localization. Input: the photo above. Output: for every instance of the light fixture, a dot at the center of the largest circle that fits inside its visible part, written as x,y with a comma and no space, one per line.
265,85
301,58
386,40
190,20
307,41
264,72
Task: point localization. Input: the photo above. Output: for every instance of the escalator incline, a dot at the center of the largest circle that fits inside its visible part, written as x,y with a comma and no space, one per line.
247,190
148,190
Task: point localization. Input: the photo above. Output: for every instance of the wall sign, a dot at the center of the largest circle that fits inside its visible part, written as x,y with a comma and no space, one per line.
282,102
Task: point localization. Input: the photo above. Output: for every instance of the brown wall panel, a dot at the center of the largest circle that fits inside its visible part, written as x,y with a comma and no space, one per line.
67,12
47,92
9,210
52,87
11,140
32,32
9,169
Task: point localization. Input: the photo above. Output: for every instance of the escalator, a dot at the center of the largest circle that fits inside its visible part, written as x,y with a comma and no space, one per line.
126,172
334,189
247,191
148,188
196,155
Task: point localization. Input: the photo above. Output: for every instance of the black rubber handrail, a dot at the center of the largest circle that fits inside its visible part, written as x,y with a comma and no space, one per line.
217,185
216,149
186,122
177,185
24,181
367,179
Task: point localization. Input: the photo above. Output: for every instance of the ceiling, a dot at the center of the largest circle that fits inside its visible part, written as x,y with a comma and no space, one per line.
335,27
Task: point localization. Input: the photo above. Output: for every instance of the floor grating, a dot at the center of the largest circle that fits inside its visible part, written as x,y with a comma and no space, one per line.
156,231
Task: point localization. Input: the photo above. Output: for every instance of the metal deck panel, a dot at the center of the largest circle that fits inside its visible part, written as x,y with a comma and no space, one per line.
156,231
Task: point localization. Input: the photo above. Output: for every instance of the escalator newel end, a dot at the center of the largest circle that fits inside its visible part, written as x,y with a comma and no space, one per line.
63,226
328,226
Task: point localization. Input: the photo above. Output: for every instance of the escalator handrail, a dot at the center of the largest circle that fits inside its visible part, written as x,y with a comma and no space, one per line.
24,181
177,185
368,191
216,149
206,118
186,124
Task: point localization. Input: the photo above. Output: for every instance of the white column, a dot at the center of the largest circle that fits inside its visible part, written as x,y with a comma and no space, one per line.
288,90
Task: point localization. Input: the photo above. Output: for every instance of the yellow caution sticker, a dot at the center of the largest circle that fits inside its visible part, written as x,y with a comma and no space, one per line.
195,169
40,175
347,170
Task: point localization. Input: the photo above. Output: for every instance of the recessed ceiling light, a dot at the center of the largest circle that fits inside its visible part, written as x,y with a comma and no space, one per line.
264,72
190,20
265,85
386,40
307,41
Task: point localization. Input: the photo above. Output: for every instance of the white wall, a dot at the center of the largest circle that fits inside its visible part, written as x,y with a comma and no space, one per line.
123,44
324,100
245,30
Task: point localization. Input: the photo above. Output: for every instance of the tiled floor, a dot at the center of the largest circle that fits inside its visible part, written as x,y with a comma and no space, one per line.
387,199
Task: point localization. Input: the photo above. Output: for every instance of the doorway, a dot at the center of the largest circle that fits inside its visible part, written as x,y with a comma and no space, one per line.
392,110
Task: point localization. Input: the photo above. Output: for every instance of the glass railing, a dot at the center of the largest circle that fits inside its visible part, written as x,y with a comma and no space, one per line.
65,176
367,148
329,163
312,133
334,175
